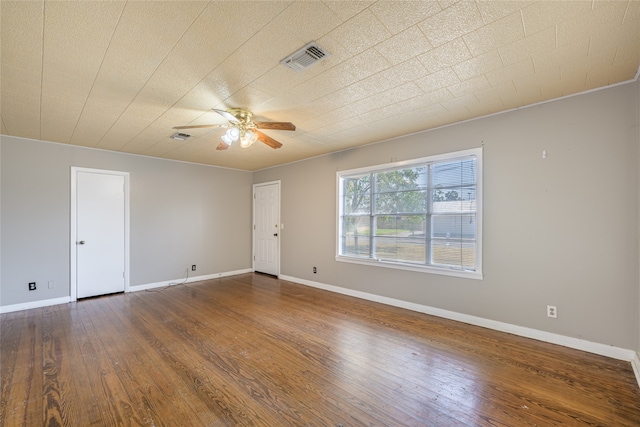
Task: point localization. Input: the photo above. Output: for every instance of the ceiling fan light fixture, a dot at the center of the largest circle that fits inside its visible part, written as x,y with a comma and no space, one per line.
248,139
242,127
231,136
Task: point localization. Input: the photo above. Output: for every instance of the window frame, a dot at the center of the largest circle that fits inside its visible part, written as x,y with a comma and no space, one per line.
406,164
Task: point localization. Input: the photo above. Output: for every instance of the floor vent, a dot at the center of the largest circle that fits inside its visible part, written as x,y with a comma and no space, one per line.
305,57
180,136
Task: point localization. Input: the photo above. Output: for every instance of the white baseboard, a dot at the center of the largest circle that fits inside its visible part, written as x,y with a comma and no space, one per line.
189,280
67,299
575,343
34,304
635,364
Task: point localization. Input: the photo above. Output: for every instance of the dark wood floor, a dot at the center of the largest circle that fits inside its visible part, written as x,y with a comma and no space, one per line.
252,350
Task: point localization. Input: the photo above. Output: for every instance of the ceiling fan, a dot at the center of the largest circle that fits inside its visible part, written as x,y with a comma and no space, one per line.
242,127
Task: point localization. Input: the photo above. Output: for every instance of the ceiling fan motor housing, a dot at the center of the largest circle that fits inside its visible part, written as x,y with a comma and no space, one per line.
244,117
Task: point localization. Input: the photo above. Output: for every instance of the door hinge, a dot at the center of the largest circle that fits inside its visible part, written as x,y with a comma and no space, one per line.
254,196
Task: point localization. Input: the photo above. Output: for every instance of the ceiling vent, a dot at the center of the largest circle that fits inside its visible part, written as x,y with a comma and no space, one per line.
305,57
180,136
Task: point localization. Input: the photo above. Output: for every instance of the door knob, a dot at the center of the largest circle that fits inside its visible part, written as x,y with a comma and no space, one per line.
81,242
275,234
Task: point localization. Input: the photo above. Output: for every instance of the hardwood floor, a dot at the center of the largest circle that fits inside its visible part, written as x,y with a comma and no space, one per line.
253,350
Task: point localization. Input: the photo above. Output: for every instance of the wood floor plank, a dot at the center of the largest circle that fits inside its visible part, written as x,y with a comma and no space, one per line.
252,350
253,381
195,375
315,356
144,385
360,373
11,329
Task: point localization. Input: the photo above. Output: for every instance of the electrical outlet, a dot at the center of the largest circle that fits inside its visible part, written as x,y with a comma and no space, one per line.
193,267
315,270
51,284
32,286
552,311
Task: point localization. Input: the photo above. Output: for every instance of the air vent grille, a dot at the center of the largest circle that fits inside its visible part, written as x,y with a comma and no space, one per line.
305,57
180,136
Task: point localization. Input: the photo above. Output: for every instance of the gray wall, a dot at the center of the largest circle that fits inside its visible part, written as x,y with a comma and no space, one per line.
561,231
180,213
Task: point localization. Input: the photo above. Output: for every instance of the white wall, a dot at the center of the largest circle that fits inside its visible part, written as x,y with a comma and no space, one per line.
181,214
561,231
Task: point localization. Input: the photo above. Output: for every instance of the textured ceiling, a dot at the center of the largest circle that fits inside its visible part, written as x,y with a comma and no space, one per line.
119,75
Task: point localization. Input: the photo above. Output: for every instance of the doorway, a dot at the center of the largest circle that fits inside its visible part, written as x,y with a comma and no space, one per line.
266,228
99,232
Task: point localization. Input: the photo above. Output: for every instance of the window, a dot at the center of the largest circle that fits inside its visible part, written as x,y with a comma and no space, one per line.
424,214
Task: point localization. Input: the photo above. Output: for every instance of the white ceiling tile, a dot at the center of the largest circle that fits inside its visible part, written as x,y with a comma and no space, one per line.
494,10
522,96
386,79
55,129
627,55
519,70
121,75
23,125
623,21
403,46
20,92
74,45
496,34
360,33
547,64
355,69
442,78
535,44
481,64
21,98
470,86
249,97
540,15
455,21
347,9
407,71
446,55
22,30
397,16
299,23
494,95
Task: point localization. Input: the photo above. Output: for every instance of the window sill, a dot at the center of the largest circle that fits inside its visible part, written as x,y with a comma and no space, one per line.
477,275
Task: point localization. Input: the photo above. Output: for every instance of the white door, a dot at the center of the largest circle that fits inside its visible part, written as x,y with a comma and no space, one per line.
100,232
266,214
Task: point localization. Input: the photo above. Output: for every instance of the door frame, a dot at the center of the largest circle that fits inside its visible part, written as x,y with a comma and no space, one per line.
253,237
73,273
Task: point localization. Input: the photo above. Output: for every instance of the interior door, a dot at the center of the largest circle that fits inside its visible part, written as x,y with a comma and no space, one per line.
100,233
266,212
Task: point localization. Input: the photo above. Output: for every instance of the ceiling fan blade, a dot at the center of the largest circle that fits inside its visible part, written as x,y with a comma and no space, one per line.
200,126
275,125
222,146
227,115
268,140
